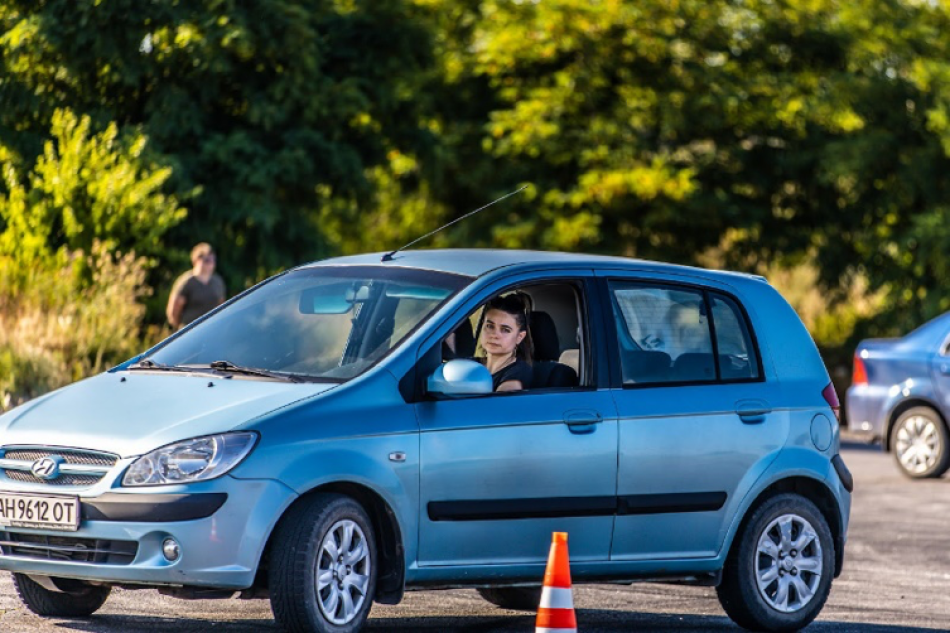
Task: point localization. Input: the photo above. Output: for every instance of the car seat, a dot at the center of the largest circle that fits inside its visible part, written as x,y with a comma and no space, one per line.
548,372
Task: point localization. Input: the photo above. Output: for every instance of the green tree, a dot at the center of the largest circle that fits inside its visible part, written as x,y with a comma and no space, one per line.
85,188
259,106
777,131
71,283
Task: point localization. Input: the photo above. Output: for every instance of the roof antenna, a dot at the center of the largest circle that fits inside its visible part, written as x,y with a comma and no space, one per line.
388,257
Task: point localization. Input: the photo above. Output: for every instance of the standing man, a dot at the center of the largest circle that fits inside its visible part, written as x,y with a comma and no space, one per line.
196,291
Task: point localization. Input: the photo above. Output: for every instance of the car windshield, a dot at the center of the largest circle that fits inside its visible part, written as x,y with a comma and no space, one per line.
323,323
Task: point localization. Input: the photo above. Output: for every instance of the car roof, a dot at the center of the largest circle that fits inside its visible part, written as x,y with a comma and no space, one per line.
932,332
475,262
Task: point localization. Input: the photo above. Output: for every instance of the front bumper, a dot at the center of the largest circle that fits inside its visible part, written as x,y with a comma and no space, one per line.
124,532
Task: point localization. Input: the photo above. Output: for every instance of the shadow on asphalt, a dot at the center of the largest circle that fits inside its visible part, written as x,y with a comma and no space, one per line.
140,624
606,621
852,445
593,620
589,620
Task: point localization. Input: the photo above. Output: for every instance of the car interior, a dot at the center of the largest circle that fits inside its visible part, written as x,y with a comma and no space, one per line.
556,326
666,338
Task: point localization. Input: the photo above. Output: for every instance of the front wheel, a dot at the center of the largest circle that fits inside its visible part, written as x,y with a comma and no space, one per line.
323,566
919,440
76,599
778,573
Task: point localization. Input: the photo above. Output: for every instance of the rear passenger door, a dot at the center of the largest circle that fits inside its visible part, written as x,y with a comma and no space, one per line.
941,371
696,418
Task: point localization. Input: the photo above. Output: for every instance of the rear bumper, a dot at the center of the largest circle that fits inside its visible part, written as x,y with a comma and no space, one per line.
864,411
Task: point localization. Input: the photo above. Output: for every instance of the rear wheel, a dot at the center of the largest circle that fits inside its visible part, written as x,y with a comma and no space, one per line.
75,599
515,598
920,444
778,574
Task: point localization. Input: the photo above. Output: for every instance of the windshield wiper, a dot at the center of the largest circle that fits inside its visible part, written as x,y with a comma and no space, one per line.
229,367
151,365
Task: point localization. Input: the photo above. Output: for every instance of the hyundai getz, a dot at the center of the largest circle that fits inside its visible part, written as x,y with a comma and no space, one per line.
327,441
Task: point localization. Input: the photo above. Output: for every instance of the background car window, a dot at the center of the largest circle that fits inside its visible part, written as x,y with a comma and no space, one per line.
664,334
736,354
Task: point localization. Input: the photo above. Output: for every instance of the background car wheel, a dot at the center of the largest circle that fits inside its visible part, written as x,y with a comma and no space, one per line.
77,599
323,566
516,598
778,573
919,442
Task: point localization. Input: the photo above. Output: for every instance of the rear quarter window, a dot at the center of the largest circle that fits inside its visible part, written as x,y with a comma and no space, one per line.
737,359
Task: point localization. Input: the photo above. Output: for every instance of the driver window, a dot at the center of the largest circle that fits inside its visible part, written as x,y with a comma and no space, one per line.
555,326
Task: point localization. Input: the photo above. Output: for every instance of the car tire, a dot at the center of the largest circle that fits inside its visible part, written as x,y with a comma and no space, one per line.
920,444
77,600
323,565
514,598
762,587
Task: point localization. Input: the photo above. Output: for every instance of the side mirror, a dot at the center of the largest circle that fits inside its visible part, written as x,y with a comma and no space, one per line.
460,377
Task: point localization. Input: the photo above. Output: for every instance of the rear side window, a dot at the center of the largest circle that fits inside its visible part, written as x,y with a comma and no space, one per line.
676,335
736,353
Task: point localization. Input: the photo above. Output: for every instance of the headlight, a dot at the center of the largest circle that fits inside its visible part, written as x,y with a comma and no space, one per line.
197,459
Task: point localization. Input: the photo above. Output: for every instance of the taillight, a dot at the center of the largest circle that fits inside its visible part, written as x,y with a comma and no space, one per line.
828,393
860,374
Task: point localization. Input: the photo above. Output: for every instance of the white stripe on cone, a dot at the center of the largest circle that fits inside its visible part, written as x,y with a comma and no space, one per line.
546,630
556,598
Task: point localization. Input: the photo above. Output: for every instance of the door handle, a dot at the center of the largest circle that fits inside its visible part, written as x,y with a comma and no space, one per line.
582,422
945,369
753,411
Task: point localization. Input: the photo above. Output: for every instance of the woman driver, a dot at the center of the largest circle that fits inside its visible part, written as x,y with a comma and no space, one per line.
507,342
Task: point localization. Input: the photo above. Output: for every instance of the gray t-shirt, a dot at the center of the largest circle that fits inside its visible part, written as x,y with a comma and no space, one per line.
199,297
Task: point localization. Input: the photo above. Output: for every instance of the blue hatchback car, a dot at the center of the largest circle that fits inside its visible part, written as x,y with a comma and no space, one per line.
326,440
900,396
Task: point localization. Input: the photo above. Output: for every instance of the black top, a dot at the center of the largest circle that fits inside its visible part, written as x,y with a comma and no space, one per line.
199,297
518,370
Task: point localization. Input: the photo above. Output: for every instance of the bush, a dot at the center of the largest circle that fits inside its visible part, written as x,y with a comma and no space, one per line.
70,301
77,315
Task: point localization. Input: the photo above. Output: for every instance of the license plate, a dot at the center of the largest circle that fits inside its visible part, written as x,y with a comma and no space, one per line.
46,512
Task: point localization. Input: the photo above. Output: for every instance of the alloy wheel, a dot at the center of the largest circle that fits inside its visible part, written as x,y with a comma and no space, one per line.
918,444
788,563
343,572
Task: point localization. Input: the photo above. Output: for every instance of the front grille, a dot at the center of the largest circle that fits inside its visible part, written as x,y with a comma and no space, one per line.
71,456
17,463
62,480
68,548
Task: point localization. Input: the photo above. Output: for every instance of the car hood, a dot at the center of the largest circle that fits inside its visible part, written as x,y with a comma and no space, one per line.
131,413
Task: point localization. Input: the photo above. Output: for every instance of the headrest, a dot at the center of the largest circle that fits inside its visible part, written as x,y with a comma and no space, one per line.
646,366
544,335
694,366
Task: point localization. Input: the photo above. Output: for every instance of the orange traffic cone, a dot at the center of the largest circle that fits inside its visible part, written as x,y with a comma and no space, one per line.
556,613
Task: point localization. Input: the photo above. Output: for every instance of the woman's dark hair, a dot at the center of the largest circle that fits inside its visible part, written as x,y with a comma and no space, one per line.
518,305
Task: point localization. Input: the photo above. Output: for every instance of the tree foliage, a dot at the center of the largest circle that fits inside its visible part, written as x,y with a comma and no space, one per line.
70,300
255,104
767,132
778,131
85,188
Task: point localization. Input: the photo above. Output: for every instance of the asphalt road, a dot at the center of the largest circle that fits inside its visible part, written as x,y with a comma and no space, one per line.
896,578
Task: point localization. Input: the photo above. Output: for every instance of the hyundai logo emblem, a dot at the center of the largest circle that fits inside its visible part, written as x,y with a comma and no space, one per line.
47,467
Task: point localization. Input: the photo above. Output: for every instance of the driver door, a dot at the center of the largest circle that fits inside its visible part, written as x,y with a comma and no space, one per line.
500,472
